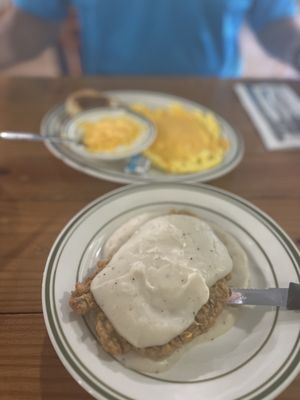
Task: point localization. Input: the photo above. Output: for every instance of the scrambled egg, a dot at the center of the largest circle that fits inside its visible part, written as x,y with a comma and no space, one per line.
187,140
110,133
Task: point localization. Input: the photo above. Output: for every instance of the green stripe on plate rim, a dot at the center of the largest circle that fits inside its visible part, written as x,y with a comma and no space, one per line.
75,161
288,245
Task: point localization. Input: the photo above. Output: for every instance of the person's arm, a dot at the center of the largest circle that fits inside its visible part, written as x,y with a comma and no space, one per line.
276,28
282,40
24,35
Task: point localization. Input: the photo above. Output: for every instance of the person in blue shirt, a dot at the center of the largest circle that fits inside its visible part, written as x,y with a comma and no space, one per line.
154,37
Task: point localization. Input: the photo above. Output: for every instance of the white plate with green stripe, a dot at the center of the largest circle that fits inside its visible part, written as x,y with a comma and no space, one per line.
55,121
256,359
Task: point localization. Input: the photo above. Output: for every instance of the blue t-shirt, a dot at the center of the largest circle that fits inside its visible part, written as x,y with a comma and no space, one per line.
162,37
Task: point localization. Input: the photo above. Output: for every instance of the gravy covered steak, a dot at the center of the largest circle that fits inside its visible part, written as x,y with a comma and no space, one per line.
160,287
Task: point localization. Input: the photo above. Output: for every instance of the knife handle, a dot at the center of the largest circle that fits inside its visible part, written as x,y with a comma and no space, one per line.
293,300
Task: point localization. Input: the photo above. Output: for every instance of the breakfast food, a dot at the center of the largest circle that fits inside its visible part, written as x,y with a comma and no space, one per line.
85,99
187,140
110,133
163,282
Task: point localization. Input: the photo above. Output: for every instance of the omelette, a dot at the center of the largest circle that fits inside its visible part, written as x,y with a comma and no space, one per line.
187,140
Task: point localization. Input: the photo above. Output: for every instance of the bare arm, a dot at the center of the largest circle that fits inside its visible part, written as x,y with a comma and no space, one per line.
23,36
282,40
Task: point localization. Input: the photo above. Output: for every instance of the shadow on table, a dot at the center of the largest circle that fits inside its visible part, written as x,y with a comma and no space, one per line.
55,381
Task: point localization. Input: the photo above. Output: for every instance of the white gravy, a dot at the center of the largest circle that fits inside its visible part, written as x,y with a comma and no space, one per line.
135,240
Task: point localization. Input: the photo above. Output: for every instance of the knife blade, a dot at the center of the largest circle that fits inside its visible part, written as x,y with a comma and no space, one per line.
288,298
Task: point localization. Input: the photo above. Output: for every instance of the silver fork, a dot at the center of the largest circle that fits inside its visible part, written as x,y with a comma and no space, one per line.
8,135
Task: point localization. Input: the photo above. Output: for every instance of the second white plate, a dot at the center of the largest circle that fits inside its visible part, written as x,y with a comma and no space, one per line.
114,171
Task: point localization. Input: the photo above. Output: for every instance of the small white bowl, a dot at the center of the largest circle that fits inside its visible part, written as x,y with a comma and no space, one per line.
73,131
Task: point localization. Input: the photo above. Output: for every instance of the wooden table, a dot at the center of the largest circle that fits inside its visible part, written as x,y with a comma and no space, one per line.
39,194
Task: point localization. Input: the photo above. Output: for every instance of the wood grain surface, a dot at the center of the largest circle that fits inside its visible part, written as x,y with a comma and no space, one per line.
39,194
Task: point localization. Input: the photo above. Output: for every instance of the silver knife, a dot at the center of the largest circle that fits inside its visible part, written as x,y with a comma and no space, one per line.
288,298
